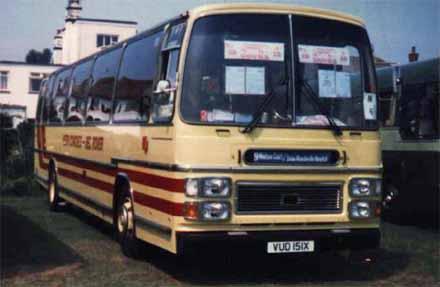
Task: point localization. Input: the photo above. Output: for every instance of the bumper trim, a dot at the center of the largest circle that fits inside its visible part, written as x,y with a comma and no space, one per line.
332,239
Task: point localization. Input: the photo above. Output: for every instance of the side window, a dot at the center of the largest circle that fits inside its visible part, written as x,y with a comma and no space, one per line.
40,102
387,108
163,103
100,97
173,62
46,99
78,98
59,96
419,111
135,81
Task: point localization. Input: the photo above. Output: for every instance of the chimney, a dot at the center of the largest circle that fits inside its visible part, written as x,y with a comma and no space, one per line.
413,56
73,10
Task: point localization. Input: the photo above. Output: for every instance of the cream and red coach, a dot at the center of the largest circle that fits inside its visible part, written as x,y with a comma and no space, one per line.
244,121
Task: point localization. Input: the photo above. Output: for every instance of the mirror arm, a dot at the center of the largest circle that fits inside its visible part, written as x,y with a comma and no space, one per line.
170,90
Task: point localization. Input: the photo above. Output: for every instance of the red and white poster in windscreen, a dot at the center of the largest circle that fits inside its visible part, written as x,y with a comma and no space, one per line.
247,50
323,55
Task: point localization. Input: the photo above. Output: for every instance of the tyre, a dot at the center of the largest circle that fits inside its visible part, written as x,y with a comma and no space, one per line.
52,190
125,228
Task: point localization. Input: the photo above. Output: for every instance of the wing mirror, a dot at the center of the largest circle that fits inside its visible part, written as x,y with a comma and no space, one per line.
164,87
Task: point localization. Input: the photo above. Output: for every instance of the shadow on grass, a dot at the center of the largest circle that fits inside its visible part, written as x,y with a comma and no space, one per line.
430,222
26,248
218,266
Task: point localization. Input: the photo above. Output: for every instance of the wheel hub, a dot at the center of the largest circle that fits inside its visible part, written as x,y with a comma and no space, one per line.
125,218
51,192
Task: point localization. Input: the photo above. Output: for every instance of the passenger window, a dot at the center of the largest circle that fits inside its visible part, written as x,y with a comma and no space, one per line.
135,82
175,36
101,92
40,103
46,99
419,111
78,98
387,108
59,96
163,103
173,62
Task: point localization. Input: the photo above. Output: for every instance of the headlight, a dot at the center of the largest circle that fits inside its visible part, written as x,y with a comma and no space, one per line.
214,211
207,211
365,187
208,187
364,209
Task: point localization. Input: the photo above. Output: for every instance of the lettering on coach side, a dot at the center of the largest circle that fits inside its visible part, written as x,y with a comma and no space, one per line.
86,142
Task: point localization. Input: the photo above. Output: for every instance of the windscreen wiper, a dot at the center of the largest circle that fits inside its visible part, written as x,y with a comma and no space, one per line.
337,131
259,112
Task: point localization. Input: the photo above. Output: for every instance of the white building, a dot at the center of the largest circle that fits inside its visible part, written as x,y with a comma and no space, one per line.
81,37
20,84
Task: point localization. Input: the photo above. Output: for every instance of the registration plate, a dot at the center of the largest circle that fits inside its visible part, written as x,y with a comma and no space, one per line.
290,246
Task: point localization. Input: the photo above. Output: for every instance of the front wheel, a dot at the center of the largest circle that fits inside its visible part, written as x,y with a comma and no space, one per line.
125,228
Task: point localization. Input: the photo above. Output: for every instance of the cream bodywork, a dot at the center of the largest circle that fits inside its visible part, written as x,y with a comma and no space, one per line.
217,147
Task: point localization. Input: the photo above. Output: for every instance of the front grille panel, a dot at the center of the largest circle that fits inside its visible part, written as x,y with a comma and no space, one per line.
260,198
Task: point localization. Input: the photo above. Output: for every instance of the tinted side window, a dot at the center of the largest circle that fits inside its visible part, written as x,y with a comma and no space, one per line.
46,99
40,103
78,98
163,103
135,81
59,96
175,36
101,91
419,111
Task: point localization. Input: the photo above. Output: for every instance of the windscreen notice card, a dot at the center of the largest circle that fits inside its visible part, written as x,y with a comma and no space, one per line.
323,55
245,80
259,51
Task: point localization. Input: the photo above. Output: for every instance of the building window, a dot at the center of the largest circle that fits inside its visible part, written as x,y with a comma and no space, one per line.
106,40
4,80
35,82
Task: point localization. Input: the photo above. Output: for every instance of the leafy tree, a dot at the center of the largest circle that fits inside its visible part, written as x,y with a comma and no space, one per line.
37,57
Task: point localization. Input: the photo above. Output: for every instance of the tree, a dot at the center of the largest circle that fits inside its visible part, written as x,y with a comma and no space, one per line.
37,57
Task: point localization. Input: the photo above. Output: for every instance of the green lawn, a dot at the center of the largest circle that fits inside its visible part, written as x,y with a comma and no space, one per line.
40,248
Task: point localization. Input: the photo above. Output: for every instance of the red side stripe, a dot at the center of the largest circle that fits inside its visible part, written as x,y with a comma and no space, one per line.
169,207
172,208
170,184
157,181
95,183
86,165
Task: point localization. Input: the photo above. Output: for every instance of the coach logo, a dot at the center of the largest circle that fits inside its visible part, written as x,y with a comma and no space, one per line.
145,144
289,199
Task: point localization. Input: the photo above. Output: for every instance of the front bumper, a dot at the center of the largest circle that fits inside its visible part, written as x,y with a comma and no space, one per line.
325,240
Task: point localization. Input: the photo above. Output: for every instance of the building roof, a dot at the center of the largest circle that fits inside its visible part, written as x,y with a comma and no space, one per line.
379,62
105,21
8,106
27,64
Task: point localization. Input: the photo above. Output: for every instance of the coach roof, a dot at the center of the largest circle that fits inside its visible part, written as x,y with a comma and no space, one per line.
274,8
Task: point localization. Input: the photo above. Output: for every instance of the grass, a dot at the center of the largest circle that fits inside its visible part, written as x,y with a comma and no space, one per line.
71,248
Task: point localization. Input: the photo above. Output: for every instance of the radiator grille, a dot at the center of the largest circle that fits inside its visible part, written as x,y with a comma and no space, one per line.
260,198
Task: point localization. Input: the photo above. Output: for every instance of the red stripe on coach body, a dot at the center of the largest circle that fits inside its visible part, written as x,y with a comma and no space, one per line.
90,181
169,207
166,206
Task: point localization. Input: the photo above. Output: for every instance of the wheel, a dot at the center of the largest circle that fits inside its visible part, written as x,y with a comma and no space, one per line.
52,189
125,230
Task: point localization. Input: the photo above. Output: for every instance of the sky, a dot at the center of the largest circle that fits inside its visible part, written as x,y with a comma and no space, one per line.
393,25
